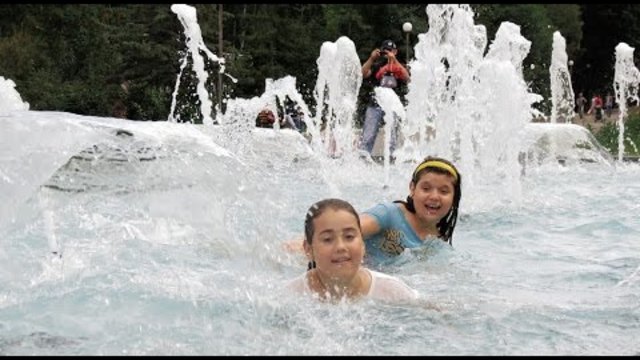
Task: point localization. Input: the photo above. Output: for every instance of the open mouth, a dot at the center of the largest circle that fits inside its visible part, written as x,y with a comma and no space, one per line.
341,260
433,207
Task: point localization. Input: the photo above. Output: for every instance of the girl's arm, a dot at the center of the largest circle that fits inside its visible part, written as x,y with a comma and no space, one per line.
369,225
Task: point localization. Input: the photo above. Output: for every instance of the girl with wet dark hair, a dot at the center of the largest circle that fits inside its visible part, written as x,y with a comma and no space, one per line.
335,249
430,210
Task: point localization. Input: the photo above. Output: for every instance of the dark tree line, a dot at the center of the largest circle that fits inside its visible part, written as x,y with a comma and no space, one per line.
123,60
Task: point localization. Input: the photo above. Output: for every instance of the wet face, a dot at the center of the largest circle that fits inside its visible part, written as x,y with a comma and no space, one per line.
433,196
337,245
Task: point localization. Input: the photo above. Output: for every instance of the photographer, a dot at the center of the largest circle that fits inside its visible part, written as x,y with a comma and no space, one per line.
382,68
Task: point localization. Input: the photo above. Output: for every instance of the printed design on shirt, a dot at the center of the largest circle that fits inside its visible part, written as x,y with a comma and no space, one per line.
388,81
391,243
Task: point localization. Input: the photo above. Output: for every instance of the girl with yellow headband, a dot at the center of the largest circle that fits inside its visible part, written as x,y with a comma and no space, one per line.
431,210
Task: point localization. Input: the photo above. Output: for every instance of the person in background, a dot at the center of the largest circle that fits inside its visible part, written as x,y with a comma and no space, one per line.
596,107
382,68
608,104
334,246
294,116
265,118
581,103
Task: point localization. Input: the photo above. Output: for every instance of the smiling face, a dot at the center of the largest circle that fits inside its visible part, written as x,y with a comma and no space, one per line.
337,246
433,196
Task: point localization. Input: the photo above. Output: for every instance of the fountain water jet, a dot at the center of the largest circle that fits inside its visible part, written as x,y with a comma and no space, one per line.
457,104
625,85
10,99
195,44
336,94
562,95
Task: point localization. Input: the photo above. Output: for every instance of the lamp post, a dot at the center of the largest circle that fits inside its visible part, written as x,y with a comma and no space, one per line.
220,51
407,27
570,67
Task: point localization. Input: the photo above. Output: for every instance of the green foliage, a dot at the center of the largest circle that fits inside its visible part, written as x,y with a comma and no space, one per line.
94,58
608,136
606,26
23,62
567,19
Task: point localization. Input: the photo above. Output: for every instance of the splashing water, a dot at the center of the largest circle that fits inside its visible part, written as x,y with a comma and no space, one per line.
336,93
625,85
171,234
9,97
187,16
562,95
477,106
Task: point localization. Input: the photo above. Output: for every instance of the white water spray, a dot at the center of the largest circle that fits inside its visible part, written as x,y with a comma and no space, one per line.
195,44
336,95
10,99
625,86
562,95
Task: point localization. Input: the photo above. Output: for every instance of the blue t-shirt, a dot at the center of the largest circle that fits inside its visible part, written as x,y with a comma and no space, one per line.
396,234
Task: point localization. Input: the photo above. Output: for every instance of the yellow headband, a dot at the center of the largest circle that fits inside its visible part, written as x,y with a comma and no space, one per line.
437,164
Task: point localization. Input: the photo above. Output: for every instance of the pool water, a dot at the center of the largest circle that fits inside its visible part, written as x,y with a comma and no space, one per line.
170,245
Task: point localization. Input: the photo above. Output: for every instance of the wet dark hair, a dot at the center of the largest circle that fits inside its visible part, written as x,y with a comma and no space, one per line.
316,210
447,224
